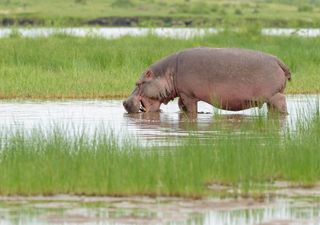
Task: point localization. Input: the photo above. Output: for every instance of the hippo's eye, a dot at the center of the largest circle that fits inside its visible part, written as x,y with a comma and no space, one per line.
138,83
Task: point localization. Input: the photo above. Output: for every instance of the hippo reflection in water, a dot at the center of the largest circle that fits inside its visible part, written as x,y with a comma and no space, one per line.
227,78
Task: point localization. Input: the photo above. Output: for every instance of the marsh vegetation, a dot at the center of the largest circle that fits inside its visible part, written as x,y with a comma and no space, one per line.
247,159
231,156
92,67
275,13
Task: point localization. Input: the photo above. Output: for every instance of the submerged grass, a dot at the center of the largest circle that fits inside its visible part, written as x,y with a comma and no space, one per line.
69,67
42,163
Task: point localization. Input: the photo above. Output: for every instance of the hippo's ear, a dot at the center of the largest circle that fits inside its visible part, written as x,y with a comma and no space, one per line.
148,74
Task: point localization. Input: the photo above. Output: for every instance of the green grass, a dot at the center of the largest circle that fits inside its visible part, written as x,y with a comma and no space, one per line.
68,67
167,13
51,163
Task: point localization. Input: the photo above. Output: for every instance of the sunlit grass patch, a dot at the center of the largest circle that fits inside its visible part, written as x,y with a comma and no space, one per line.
91,67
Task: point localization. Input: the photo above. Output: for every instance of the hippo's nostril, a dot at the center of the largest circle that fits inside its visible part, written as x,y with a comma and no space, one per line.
124,103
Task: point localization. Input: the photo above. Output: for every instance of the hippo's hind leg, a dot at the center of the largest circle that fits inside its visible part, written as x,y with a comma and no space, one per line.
187,104
277,103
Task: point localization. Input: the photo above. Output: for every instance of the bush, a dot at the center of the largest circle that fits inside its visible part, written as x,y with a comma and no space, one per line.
200,8
80,1
305,8
238,12
122,4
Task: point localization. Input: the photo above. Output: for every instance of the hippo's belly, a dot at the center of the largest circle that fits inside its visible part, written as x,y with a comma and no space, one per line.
233,97
236,105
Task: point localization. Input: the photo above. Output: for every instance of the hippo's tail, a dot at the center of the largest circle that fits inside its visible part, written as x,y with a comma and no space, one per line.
285,69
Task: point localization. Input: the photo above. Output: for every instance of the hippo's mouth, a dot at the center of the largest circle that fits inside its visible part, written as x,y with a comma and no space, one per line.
149,105
142,107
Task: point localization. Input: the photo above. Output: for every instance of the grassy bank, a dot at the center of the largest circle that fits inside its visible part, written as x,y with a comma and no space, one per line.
43,163
276,13
69,67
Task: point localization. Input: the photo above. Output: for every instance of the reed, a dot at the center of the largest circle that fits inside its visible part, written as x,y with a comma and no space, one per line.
248,158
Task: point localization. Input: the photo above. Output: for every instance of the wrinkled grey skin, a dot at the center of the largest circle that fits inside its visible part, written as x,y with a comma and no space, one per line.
228,78
154,87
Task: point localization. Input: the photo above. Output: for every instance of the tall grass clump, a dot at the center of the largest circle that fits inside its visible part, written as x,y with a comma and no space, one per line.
91,67
245,159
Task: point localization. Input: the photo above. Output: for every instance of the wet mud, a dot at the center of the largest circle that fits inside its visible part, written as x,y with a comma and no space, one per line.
68,209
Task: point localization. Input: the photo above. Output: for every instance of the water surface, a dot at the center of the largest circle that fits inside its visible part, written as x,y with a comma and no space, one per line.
144,210
153,128
117,32
110,32
94,115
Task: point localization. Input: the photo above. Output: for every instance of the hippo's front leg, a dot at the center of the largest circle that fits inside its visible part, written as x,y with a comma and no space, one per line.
182,107
187,104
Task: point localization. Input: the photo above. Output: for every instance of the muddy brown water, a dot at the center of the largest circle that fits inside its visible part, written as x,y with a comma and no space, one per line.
291,206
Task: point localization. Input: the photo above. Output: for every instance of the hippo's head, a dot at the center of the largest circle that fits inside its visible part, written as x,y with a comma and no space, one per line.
150,92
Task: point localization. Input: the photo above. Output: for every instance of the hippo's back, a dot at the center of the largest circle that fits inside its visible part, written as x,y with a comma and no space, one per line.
229,73
225,63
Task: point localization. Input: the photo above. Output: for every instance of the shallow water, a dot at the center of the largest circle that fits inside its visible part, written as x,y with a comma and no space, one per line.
89,116
302,32
117,32
144,210
153,128
110,32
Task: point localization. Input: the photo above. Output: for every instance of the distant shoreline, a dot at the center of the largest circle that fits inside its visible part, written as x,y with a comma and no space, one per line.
157,21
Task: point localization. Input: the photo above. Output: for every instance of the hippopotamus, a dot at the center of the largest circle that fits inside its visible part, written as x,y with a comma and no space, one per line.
227,78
